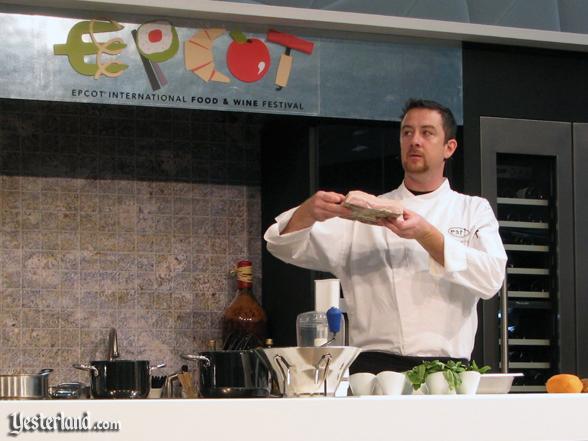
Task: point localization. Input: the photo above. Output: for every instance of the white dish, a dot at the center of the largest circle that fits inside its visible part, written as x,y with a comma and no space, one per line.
362,383
437,384
496,383
392,383
470,380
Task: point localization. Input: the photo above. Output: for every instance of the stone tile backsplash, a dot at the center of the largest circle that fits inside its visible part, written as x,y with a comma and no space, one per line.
120,216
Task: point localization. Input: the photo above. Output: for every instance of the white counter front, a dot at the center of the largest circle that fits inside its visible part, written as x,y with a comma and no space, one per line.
472,418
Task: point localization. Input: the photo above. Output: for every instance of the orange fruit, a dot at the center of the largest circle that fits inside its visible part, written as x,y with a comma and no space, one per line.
564,384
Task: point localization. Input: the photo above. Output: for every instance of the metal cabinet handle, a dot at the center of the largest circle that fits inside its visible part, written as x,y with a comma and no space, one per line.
504,326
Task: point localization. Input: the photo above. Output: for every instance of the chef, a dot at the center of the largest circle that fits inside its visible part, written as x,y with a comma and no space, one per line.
411,283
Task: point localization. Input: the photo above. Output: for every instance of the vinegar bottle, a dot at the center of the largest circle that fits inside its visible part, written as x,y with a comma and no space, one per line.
244,321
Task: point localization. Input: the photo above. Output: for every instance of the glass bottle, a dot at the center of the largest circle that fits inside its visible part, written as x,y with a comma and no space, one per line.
244,321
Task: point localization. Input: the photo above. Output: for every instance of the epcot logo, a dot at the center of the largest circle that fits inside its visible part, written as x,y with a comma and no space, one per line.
247,59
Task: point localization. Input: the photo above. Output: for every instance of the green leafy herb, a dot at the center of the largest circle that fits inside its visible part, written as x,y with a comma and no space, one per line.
417,375
451,370
474,367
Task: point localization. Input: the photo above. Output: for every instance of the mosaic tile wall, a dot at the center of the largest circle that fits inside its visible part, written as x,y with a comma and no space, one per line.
125,217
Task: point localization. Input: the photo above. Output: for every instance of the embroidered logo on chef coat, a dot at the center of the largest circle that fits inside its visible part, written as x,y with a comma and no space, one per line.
459,233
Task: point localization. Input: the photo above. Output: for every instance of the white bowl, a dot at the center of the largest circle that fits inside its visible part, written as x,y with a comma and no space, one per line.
437,384
496,383
469,382
362,383
392,383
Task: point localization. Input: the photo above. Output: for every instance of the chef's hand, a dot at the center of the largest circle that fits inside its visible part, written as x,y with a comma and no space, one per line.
321,206
409,225
413,226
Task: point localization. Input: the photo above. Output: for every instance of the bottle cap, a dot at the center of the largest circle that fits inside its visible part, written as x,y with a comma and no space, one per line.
244,273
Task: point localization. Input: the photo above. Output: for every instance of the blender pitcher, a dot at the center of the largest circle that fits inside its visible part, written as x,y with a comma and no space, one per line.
312,329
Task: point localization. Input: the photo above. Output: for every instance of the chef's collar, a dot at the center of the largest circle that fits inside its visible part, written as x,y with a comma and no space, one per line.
406,193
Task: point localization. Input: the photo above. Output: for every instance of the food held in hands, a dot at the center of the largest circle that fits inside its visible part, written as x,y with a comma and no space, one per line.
369,209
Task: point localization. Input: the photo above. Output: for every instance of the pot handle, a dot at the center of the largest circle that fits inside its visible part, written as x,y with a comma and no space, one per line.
45,372
193,357
285,369
157,366
87,368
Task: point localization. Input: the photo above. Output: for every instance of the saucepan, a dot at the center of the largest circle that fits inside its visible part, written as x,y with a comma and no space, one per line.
119,378
232,374
25,386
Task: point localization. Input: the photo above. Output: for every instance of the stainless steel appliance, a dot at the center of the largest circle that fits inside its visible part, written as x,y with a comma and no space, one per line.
310,371
526,175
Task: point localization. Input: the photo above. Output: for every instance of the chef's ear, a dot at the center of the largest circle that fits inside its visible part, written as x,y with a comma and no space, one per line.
450,147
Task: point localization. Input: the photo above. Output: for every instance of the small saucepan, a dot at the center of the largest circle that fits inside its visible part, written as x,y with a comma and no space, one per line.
25,386
119,378
232,374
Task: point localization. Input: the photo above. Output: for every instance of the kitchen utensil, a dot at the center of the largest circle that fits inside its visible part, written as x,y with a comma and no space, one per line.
312,329
496,383
157,382
232,374
25,386
119,378
186,380
309,371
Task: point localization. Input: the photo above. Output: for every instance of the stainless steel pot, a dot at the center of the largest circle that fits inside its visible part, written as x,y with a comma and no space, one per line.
25,386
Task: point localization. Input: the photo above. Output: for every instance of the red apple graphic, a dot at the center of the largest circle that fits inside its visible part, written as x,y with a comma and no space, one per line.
247,59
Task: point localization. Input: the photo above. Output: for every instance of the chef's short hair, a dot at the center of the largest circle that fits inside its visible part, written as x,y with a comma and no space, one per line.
449,124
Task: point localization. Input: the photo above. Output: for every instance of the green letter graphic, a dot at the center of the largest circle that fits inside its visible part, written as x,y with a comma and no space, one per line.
75,49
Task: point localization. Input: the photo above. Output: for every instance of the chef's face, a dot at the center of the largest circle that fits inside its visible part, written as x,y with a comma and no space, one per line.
423,147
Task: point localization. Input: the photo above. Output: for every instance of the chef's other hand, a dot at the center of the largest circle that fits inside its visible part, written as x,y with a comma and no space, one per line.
412,226
321,206
408,226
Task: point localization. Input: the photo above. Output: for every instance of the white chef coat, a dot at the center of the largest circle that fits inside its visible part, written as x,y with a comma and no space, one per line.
399,299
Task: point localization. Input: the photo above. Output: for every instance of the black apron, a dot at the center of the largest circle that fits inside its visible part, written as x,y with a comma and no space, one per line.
376,362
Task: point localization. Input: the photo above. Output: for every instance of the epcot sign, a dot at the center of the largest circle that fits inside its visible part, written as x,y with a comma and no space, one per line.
247,59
